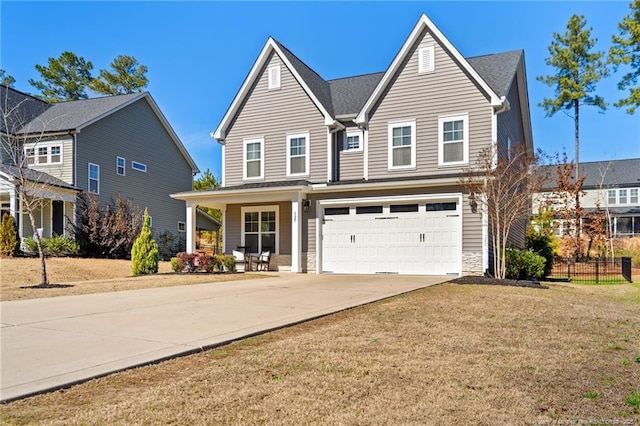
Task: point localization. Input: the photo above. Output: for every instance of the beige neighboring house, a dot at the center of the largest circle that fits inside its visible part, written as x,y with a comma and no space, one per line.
361,174
613,186
108,146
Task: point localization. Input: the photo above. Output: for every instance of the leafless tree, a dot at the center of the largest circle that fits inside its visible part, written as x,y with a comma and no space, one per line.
502,185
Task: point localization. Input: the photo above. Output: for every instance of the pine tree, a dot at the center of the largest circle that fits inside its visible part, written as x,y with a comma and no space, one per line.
8,236
65,79
145,254
626,50
126,76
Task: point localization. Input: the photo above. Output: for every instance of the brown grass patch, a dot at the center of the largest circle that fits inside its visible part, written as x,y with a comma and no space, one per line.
450,354
91,276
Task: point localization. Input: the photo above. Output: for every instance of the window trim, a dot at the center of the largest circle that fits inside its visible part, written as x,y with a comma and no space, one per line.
259,210
133,163
124,166
626,196
307,153
348,134
421,51
275,68
636,196
442,119
36,157
184,226
89,178
244,158
390,148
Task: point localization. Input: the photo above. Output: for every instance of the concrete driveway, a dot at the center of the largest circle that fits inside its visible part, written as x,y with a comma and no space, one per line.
51,343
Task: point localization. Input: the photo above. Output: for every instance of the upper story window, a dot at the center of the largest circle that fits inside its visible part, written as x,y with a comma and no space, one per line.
120,166
298,154
453,140
139,166
274,77
43,154
402,145
633,196
426,59
622,196
352,141
94,178
253,165
611,196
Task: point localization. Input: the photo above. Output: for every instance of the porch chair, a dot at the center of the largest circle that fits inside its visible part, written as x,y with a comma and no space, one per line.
241,263
263,260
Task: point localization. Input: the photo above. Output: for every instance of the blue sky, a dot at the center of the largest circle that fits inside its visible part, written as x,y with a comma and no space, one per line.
199,53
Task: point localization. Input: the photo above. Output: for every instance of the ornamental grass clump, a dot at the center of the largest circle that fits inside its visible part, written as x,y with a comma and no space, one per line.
145,255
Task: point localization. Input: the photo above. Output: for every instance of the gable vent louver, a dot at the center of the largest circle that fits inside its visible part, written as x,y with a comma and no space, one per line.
274,77
426,59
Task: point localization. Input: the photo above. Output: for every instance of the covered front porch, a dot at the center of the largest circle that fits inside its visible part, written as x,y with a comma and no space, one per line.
257,219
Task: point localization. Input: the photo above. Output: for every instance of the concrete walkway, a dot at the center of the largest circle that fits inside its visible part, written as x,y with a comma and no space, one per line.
50,343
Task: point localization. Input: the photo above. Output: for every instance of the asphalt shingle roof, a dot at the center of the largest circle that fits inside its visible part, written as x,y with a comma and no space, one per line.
606,173
35,176
73,114
497,69
17,109
349,94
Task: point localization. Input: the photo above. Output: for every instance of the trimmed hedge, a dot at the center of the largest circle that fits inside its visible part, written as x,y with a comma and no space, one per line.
524,264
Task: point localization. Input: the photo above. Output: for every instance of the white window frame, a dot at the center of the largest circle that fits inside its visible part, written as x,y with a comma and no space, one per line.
345,146
464,117
89,178
307,153
183,226
123,166
390,148
48,145
259,210
614,198
274,71
142,166
626,196
244,158
633,193
431,51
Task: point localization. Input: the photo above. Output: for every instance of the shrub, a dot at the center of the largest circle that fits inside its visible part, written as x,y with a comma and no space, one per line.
188,262
144,254
30,244
175,265
169,244
9,244
58,245
524,264
229,262
542,245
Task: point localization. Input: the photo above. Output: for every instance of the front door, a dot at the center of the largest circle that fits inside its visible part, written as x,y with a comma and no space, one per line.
57,215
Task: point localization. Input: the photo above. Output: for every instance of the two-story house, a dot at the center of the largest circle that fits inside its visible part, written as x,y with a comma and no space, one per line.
362,174
103,146
612,186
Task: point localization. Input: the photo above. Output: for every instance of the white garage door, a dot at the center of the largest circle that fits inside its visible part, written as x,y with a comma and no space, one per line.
419,238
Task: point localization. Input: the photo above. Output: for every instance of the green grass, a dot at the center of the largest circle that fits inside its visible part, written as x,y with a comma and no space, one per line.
591,395
634,401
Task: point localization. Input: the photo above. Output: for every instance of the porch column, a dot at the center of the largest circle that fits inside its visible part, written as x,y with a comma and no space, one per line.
191,227
21,218
13,211
296,234
224,229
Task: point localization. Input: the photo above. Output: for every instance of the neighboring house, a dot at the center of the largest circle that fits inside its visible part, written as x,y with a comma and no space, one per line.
361,174
102,146
612,186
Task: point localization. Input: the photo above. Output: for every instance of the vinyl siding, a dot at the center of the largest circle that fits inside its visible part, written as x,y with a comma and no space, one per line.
423,98
136,134
350,163
234,226
64,170
272,114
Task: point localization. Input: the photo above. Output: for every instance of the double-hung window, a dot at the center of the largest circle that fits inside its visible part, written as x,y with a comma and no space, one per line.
633,196
622,196
120,166
352,141
253,165
94,178
30,153
260,229
298,154
402,145
611,197
43,154
453,140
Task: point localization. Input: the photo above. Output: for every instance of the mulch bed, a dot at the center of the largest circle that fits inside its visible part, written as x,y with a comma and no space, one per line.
495,281
47,286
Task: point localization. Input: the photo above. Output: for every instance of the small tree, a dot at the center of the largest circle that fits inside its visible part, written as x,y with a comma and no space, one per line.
502,186
145,254
8,236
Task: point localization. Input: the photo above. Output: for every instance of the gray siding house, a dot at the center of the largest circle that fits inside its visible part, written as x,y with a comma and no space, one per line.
103,146
361,174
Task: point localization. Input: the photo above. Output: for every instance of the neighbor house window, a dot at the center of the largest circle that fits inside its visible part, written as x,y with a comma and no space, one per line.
274,77
253,166
260,229
139,166
298,154
633,196
426,59
453,140
622,196
120,166
352,141
611,197
44,154
94,178
402,145
182,227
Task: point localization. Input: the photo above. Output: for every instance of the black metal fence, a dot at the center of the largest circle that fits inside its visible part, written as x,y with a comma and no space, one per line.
597,270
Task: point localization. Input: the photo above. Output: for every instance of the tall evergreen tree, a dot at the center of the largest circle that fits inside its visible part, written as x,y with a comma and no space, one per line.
126,76
6,79
65,78
577,71
626,50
